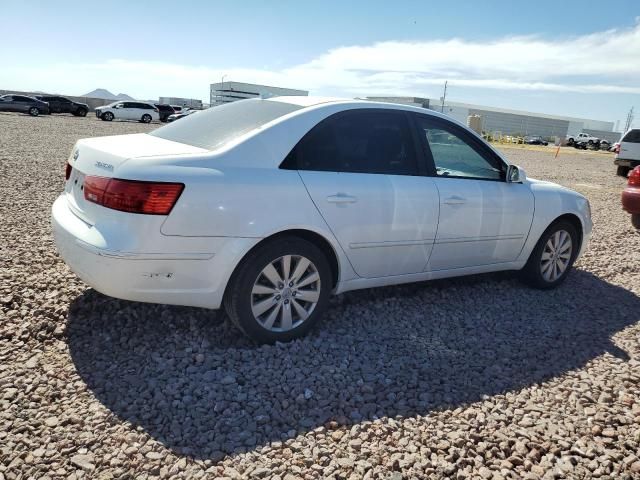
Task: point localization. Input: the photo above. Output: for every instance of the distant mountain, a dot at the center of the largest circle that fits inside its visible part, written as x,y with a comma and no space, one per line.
107,95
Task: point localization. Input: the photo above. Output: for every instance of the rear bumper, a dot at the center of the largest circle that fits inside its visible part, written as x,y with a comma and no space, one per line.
631,199
176,278
626,162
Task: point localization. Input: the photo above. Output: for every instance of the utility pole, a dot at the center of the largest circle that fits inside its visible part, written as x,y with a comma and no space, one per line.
444,96
629,121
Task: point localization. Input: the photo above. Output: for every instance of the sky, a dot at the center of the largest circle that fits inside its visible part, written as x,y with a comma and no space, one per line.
572,58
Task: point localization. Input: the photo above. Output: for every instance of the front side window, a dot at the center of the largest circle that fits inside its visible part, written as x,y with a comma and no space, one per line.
363,141
454,153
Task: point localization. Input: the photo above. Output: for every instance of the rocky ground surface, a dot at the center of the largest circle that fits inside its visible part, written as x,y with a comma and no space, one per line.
472,378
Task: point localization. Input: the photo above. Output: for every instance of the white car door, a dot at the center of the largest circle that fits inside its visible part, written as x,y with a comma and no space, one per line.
361,171
483,219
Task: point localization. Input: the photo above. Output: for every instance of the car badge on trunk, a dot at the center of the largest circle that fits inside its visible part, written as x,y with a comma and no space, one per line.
76,154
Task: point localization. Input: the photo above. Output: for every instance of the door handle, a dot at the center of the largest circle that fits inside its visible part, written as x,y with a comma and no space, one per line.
341,198
454,200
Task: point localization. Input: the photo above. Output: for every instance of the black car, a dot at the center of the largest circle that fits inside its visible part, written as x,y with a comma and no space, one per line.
164,111
59,104
535,140
23,104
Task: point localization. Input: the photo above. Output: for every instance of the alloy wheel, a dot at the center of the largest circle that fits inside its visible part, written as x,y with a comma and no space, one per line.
285,293
556,255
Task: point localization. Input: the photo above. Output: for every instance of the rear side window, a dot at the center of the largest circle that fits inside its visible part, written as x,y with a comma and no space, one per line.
216,126
632,136
358,141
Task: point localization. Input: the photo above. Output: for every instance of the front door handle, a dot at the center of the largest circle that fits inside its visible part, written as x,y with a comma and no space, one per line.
454,200
341,198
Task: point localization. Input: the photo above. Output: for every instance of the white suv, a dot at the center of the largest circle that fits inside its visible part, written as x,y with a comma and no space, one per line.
140,111
628,152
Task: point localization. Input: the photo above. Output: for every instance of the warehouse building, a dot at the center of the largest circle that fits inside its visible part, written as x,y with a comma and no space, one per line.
513,122
182,102
227,92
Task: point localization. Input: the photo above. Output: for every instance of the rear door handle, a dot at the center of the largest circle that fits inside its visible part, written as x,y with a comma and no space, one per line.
454,200
341,198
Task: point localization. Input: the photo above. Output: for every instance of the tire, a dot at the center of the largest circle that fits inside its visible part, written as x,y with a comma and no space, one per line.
34,112
534,273
270,325
82,112
622,171
146,118
590,142
107,116
635,220
570,141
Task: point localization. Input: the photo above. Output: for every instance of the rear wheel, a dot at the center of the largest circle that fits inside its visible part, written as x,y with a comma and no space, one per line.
34,112
146,118
622,171
553,256
279,291
107,116
570,141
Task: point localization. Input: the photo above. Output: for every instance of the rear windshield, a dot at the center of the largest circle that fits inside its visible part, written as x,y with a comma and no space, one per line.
632,136
216,126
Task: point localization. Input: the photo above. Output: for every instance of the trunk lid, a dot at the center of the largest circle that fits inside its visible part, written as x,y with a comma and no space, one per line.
103,156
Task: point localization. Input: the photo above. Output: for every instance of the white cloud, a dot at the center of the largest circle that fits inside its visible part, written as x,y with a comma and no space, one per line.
602,62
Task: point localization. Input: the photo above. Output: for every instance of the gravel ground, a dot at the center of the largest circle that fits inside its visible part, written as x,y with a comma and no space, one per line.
478,377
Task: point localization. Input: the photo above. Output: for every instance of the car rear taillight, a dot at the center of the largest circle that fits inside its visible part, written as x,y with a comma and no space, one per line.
133,196
616,148
634,178
156,110
67,171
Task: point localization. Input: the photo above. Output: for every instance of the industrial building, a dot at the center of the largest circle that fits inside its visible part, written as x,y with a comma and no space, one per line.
182,102
513,122
226,92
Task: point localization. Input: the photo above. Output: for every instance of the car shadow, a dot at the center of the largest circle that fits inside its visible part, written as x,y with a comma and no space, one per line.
195,384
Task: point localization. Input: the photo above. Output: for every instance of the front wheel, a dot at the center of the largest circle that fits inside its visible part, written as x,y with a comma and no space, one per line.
107,116
34,112
146,118
81,112
553,256
279,291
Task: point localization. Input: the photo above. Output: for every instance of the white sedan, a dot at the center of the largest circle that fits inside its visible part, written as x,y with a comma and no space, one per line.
270,206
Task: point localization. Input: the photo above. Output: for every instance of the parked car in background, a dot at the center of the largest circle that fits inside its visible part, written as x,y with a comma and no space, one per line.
628,153
604,145
140,111
23,104
164,111
535,140
631,197
581,137
177,116
269,206
178,108
58,104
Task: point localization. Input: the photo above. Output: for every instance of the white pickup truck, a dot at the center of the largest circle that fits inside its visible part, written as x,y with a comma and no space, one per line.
581,137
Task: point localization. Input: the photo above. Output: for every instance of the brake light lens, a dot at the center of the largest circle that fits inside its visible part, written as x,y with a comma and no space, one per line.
67,171
634,178
616,148
133,196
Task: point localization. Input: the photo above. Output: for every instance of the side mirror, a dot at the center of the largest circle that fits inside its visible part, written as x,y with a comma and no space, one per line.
515,174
